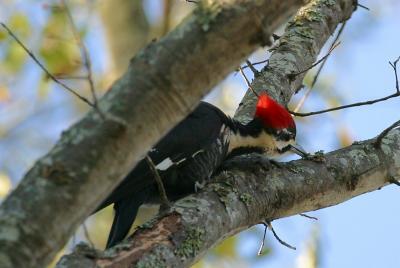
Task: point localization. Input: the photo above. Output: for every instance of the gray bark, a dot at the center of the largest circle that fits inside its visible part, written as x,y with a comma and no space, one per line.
162,84
250,190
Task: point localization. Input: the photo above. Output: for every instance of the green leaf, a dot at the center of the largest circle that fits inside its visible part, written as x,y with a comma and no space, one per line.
19,24
59,49
3,34
15,57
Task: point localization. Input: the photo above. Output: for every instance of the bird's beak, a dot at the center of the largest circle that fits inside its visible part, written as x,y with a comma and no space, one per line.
297,149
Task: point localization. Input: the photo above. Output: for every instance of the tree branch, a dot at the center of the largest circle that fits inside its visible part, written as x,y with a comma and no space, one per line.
297,49
157,91
247,192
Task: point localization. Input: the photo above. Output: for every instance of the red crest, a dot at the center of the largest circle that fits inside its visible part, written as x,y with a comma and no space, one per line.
273,114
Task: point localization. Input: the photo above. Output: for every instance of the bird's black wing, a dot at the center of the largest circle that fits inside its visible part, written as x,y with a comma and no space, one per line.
196,132
189,137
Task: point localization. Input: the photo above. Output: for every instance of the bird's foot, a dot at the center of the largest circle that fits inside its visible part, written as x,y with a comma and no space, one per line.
199,185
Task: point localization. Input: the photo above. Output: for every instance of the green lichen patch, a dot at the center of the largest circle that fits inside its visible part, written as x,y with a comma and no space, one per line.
192,243
207,13
310,13
151,261
357,156
147,225
223,192
305,32
188,202
329,2
313,15
86,250
294,169
318,156
246,198
114,251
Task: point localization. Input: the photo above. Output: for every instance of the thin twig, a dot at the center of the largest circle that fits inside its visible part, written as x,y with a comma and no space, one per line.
47,72
362,6
84,53
396,94
263,241
87,236
292,75
72,77
247,81
165,204
268,223
314,81
252,68
309,217
378,141
394,66
256,63
347,106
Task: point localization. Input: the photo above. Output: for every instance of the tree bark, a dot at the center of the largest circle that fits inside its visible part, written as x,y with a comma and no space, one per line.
249,190
162,84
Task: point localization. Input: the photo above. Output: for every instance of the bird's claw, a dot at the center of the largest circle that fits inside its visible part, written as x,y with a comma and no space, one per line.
318,156
199,185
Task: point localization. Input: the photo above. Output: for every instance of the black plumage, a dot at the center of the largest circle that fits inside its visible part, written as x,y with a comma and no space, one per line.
192,151
190,155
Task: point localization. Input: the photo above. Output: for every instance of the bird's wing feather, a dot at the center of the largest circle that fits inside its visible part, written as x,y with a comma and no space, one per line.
179,144
186,139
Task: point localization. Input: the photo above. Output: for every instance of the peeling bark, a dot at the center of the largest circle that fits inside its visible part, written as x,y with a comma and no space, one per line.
162,84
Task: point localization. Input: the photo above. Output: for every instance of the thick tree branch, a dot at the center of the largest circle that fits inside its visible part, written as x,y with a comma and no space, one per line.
162,84
296,50
249,191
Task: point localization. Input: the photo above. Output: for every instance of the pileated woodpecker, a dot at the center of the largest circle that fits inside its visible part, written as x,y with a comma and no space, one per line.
190,153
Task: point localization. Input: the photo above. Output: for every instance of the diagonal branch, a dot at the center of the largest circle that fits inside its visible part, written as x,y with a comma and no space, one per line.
298,48
179,238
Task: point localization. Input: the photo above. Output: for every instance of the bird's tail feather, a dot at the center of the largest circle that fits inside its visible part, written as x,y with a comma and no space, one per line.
125,214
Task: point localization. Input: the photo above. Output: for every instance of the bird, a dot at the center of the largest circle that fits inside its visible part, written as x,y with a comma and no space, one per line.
186,158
